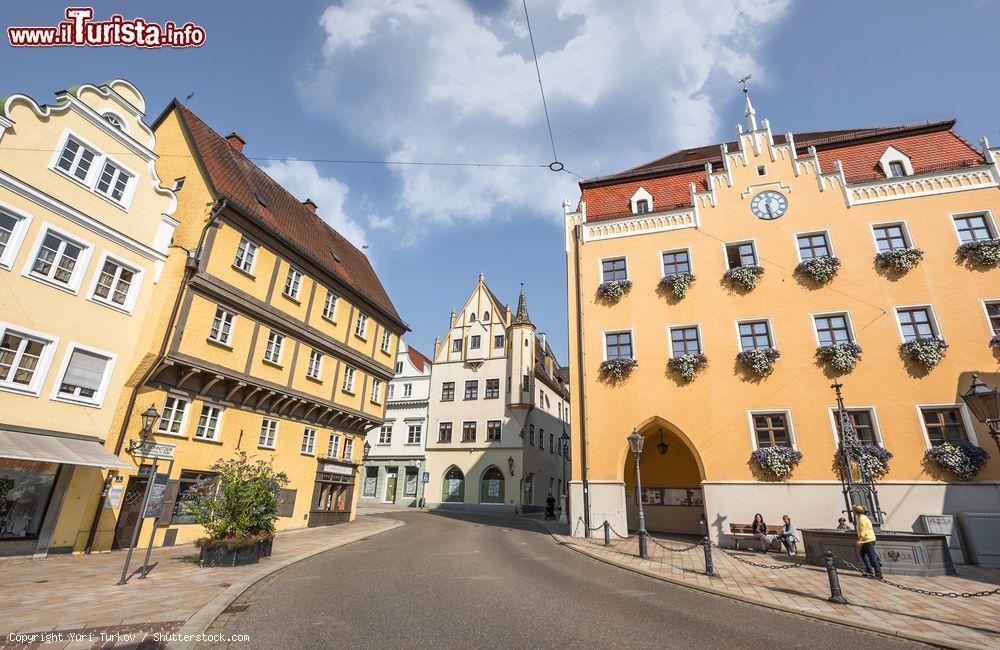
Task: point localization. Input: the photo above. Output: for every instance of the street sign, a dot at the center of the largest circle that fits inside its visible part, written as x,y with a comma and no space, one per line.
152,449
157,492
425,477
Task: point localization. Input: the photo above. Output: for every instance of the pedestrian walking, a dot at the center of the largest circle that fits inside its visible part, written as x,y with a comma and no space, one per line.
866,542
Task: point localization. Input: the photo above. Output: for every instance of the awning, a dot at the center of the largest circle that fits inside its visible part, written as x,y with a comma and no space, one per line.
58,449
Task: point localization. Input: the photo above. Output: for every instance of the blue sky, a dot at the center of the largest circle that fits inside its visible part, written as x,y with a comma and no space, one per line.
449,80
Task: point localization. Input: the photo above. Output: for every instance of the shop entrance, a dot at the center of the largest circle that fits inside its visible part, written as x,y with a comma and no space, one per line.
391,474
131,510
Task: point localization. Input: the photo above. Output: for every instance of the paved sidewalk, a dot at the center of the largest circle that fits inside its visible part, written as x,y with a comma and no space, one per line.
951,622
79,594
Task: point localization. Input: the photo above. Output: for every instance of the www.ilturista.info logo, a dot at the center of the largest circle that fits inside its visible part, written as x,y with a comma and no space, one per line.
79,29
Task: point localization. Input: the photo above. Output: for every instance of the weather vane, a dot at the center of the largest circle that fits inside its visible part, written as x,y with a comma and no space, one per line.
744,81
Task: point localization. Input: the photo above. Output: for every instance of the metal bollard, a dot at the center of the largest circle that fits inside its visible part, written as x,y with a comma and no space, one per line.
709,567
836,595
607,533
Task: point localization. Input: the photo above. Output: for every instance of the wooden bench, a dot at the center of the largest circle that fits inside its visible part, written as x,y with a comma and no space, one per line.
745,532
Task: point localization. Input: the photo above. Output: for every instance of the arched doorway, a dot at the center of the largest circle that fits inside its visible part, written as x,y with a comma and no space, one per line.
671,471
491,489
453,486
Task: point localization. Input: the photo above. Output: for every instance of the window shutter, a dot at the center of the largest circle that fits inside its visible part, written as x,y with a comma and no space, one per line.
286,502
169,499
85,370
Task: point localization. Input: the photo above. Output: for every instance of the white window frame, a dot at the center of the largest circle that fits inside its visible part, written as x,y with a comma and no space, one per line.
308,446
95,164
392,390
122,125
835,312
611,258
347,449
665,251
641,194
96,170
376,394
407,390
876,425
184,417
332,445
314,369
361,326
604,341
770,330
232,325
22,220
987,217
98,399
385,434
350,375
737,242
680,326
891,155
269,348
44,360
254,253
330,304
935,323
986,302
133,290
900,222
386,341
218,422
273,431
962,408
293,284
120,170
753,432
409,432
805,233
82,262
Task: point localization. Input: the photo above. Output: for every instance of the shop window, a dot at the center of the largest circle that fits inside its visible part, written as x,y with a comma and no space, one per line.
453,486
25,488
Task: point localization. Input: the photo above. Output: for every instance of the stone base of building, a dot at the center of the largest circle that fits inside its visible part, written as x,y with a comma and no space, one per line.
607,502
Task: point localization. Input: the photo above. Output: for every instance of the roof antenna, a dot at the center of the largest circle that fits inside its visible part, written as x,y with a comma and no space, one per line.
750,113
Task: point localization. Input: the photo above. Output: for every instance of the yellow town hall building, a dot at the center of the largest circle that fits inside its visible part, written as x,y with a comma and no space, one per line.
762,255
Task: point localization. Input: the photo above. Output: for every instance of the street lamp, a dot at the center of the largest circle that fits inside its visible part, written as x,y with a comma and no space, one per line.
635,443
984,402
510,464
149,418
662,447
366,450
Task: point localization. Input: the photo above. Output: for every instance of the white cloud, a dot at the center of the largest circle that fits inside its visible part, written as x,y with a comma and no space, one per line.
304,181
434,80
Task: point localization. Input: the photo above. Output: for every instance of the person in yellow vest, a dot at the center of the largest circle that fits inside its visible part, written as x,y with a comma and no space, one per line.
866,542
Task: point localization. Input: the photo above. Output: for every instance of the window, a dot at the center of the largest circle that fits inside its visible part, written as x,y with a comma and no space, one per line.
468,432
293,283
896,169
361,327
613,269
916,323
414,433
371,480
973,227
376,391
832,329
392,389
410,486
113,181
755,334
332,445
771,430
268,433
993,314
172,417
618,345
308,441
185,482
676,262
492,389
456,345
453,486
524,383
541,397
762,170
890,237
8,225
472,389
84,376
330,306
114,283
684,340
474,342
385,435
541,438
349,373
399,367
863,422
246,254
386,341
498,341
552,443
272,352
444,432
741,254
448,391
348,449
813,245
472,317
114,121
944,425
493,431
642,206
222,326
486,316
315,366
531,435
407,390
76,159
208,423
57,259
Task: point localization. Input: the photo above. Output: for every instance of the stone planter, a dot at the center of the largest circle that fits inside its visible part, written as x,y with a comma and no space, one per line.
221,555
264,546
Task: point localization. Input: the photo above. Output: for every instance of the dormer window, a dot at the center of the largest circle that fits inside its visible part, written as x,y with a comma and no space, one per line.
896,169
642,206
641,202
895,163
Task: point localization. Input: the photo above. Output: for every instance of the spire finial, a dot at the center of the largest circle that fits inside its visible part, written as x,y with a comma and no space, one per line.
521,317
751,113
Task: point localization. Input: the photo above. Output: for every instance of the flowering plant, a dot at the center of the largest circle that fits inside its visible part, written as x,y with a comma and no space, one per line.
928,351
964,460
982,253
745,276
619,368
841,356
760,361
820,269
613,290
777,461
874,461
678,283
900,260
688,365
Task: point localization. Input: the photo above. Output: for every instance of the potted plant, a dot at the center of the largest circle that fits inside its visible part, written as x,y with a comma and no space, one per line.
688,365
927,351
759,361
238,509
985,253
842,357
899,260
964,460
745,277
613,290
618,369
820,269
678,283
776,461
874,461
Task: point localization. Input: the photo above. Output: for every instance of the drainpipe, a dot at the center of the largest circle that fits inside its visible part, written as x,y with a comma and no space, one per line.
577,232
190,268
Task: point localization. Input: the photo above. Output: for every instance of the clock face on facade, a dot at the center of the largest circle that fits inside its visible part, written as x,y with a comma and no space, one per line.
769,205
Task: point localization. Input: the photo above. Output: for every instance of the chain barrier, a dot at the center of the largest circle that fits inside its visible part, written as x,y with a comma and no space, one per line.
917,590
770,567
600,527
672,550
615,532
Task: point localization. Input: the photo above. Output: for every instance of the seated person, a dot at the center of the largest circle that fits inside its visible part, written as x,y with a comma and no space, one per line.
790,537
760,532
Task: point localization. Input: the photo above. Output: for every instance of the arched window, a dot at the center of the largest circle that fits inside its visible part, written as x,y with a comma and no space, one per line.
114,120
486,316
453,487
472,317
492,488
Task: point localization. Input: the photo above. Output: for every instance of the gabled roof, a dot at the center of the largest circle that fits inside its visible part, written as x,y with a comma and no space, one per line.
258,196
419,361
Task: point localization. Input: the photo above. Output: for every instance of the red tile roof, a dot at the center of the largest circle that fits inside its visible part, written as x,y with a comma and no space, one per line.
930,146
233,176
419,361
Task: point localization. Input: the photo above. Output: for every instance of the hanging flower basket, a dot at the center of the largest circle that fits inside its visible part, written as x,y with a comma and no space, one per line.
963,460
899,260
759,361
928,352
678,283
980,253
613,290
776,461
874,461
619,368
842,357
745,276
688,365
820,269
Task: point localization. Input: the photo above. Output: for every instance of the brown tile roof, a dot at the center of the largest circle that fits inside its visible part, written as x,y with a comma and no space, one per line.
239,180
419,361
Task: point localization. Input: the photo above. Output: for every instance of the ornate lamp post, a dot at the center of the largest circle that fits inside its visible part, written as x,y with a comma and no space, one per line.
510,464
635,444
564,441
149,418
367,450
858,486
984,402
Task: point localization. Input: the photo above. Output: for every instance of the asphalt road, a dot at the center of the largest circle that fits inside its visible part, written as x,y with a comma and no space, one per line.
479,581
